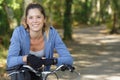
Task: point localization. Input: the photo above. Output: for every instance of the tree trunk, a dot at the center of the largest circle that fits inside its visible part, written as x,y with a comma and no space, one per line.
67,22
114,29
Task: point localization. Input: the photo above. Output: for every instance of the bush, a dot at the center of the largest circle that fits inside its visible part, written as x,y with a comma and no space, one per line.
4,41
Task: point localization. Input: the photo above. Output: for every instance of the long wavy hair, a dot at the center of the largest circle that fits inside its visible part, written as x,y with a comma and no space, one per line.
41,9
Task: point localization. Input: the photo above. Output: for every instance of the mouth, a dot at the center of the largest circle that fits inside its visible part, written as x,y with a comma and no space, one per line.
35,25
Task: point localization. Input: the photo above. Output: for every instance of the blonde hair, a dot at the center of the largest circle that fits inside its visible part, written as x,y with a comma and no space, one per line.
41,9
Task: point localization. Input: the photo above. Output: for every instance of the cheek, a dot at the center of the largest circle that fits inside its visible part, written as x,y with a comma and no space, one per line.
28,21
41,21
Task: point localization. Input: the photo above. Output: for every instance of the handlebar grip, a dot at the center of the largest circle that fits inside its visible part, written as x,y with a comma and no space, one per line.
67,67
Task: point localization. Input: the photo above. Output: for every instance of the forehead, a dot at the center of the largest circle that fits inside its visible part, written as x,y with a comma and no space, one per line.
34,11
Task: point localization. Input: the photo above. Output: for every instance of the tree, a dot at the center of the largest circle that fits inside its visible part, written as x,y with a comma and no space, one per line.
4,18
115,7
67,22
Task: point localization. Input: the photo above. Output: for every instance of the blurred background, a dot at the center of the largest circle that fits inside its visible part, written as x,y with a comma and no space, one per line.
69,17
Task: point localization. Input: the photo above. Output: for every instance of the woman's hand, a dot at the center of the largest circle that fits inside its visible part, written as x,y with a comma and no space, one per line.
34,62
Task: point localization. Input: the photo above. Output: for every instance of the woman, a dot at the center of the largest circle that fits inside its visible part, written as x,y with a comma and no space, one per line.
34,42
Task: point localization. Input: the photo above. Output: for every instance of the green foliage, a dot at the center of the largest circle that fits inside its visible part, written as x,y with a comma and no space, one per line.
1,1
82,11
5,20
3,52
6,41
17,7
4,25
109,25
54,10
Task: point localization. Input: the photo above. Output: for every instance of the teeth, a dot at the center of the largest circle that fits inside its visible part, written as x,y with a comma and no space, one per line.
35,25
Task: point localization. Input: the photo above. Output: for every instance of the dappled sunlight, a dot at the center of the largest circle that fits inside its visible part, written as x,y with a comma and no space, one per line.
101,77
96,39
114,59
87,64
90,77
109,41
103,53
2,62
113,77
3,55
104,39
96,54
94,36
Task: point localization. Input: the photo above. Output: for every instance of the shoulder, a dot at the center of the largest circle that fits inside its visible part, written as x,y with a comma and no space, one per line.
52,28
53,31
19,30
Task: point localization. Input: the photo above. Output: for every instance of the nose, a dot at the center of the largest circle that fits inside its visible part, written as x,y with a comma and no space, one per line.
34,19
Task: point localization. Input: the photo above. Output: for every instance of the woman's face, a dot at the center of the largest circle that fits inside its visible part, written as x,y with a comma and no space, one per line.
35,20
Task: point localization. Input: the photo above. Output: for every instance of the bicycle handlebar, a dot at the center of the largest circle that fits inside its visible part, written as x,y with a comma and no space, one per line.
62,67
44,74
30,68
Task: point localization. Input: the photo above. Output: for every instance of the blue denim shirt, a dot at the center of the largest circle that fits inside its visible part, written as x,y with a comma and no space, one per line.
20,46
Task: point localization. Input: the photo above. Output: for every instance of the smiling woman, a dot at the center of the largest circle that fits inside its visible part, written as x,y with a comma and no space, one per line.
33,43
35,20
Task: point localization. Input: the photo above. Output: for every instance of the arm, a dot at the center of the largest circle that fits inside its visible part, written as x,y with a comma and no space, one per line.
64,55
13,57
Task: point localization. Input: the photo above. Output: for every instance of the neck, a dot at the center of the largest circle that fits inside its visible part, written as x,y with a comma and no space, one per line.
36,35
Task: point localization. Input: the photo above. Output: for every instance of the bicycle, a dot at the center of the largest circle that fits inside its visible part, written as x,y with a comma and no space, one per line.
56,74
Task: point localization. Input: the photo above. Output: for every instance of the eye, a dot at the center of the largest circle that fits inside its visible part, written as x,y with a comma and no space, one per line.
38,16
30,17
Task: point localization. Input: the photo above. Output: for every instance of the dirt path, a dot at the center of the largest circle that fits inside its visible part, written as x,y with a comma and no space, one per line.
96,55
